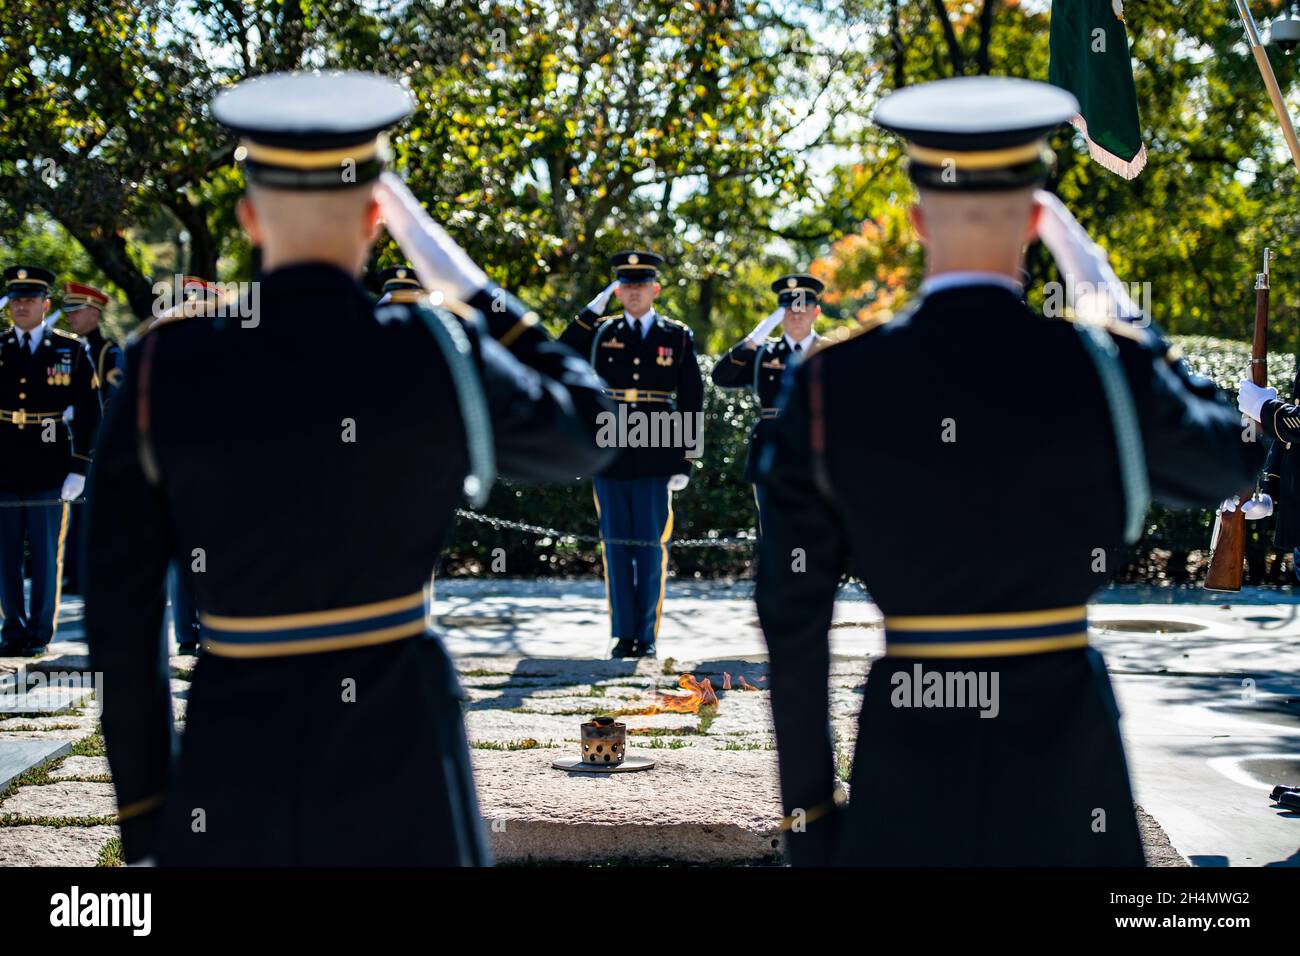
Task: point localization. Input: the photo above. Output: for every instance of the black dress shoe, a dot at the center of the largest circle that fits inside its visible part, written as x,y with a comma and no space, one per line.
645,650
1279,790
622,649
188,647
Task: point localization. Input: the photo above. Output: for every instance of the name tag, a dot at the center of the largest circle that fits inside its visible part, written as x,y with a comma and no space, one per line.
612,344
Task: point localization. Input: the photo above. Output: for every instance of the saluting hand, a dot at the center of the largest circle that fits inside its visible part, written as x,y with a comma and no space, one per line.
1251,397
440,263
678,482
599,304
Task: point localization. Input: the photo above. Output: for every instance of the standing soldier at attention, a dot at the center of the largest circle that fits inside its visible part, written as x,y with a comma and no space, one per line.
83,307
1026,450
759,364
311,593
42,461
1279,486
648,361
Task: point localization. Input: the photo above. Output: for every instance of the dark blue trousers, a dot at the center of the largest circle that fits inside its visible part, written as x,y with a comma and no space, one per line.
43,529
639,509
185,613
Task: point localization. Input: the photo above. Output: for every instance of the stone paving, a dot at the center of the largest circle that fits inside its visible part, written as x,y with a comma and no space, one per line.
712,798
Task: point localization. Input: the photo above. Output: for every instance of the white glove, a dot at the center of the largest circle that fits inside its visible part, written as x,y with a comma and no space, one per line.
1230,504
678,482
73,486
1251,398
761,331
1080,260
68,413
440,264
1260,506
598,304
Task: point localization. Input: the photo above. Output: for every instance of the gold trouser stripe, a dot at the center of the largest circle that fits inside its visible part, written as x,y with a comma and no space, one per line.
58,568
308,159
972,622
816,813
139,807
978,159
317,645
1010,648
286,622
518,329
604,562
663,560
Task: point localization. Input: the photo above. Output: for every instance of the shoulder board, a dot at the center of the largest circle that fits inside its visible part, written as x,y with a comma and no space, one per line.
66,335
844,333
675,323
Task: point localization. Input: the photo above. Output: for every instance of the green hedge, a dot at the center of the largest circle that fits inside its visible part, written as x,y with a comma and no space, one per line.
719,502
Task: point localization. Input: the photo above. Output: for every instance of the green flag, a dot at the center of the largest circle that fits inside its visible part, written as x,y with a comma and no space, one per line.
1089,57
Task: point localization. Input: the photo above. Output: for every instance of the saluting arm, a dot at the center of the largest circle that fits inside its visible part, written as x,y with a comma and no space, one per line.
129,542
543,397
735,369
802,553
1197,450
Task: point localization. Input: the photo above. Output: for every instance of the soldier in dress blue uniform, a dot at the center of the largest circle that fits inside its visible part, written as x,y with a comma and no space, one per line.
980,468
44,461
1279,486
649,363
83,306
400,284
316,451
759,364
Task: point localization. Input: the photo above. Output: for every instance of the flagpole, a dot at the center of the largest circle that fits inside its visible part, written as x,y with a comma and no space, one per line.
1270,81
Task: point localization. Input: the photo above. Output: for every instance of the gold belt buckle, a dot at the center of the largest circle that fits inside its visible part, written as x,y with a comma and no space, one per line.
630,395
20,417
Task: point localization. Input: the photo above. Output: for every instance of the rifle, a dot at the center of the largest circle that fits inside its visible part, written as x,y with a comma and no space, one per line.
1228,544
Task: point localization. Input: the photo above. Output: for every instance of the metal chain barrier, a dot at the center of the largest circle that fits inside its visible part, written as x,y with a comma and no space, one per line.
736,541
744,540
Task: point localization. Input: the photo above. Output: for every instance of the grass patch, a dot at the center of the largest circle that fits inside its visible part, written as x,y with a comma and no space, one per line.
182,673
749,745
596,691
670,667
111,854
657,743
92,746
708,713
33,728
484,672
528,743
14,820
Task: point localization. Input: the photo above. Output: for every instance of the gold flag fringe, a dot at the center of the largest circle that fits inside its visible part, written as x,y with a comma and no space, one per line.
1127,168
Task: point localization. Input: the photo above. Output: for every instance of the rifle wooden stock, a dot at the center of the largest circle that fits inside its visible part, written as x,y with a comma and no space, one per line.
1229,542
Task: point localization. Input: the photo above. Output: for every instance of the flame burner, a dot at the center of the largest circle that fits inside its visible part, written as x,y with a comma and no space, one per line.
604,750
604,741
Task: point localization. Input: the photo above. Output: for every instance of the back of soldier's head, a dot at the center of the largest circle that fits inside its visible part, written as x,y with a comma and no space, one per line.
312,146
977,149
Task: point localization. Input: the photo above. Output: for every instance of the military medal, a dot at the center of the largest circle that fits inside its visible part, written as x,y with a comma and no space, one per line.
665,356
